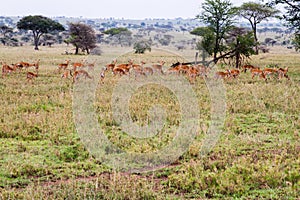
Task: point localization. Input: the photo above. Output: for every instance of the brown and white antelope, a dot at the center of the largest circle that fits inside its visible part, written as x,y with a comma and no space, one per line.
173,70
148,71
248,67
137,69
36,65
66,73
119,71
111,65
270,71
30,76
26,65
77,65
192,74
234,73
125,67
222,75
203,70
282,72
259,73
63,66
6,69
80,73
158,67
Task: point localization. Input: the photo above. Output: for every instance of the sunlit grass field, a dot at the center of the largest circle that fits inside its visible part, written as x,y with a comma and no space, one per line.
42,155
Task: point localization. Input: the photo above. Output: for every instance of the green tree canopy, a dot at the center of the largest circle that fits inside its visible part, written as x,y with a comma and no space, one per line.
219,16
141,46
241,41
5,29
116,31
256,13
39,25
206,44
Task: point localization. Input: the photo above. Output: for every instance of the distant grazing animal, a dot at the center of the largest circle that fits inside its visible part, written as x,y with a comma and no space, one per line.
111,65
26,65
6,69
63,66
173,70
270,71
119,71
222,75
66,73
282,72
158,67
258,72
80,73
234,73
183,69
248,67
36,65
30,76
202,70
77,64
125,67
192,73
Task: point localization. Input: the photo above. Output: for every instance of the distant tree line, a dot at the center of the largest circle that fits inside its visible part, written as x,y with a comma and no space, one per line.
219,37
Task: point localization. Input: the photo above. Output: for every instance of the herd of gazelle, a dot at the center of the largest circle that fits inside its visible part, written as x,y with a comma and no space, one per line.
192,71
77,70
8,69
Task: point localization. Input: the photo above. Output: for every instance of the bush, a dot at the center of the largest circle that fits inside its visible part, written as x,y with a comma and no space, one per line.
141,46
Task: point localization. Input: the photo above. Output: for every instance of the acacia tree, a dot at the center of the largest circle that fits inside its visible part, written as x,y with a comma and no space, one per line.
238,44
219,16
123,35
39,25
206,44
5,30
256,13
141,46
241,41
82,37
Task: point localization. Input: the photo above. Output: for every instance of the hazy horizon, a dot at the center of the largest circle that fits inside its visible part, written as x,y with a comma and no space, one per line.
129,9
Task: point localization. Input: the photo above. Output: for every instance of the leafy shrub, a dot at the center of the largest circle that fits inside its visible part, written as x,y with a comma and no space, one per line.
141,46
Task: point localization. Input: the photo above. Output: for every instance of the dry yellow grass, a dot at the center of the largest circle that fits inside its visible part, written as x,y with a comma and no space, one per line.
257,155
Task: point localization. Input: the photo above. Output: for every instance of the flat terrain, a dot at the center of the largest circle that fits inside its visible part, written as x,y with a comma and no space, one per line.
42,155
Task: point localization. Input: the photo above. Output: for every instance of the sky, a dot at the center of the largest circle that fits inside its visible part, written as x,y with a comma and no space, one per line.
127,9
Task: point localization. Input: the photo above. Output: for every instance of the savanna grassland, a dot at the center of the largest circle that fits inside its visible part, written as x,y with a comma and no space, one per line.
42,156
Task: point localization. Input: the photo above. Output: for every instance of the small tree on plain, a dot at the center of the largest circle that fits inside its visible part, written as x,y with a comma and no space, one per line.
5,30
219,17
122,35
39,25
142,46
241,41
82,36
256,13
